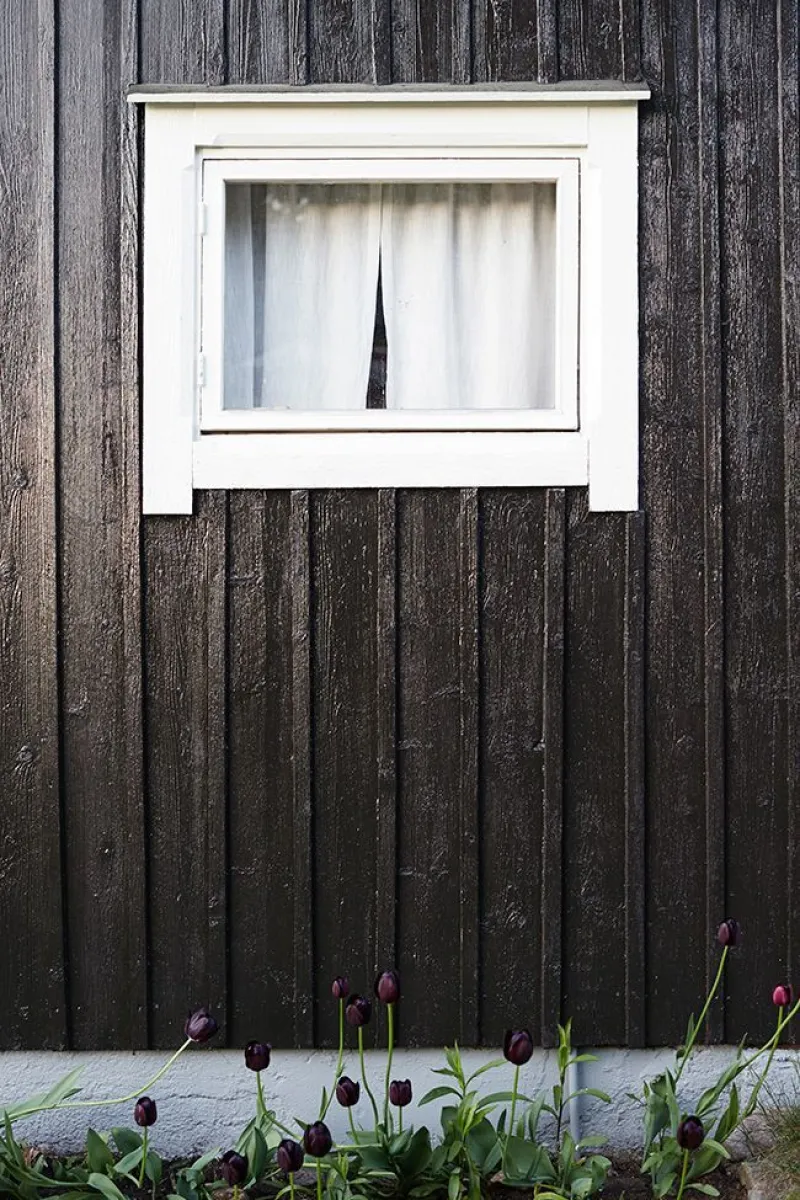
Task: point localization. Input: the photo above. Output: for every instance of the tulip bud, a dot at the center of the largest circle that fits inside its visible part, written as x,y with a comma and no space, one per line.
317,1140
358,1010
691,1133
233,1168
400,1092
200,1026
729,932
256,1055
340,987
518,1046
144,1112
387,987
347,1092
289,1156
782,996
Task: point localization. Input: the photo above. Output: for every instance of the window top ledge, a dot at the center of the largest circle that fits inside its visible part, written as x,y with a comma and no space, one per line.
568,92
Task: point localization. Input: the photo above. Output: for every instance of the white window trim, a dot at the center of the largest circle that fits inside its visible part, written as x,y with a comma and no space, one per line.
384,134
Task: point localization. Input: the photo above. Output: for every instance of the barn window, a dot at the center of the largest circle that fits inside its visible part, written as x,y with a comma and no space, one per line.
390,288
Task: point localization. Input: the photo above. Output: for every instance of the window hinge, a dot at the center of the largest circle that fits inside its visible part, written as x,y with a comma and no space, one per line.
201,370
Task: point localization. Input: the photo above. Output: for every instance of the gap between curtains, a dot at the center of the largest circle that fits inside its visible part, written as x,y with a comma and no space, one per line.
468,280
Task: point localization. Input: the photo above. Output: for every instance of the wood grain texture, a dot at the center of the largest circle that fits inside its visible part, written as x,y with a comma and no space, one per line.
635,801
31,912
302,783
431,43
594,935
434,596
385,939
756,632
349,42
258,43
185,622
553,722
789,192
262,885
598,39
346,768
512,623
185,658
681,466
99,561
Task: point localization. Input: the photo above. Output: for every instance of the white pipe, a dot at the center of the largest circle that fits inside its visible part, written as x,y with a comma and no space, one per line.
573,1084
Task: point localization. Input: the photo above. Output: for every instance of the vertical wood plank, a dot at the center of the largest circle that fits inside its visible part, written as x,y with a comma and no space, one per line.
30,842
349,42
681,487
431,43
634,699
185,643
437,594
755,496
186,648
789,184
302,767
101,635
598,39
259,42
183,41
469,537
594,775
552,938
269,809
515,40
385,939
512,745
345,745
261,881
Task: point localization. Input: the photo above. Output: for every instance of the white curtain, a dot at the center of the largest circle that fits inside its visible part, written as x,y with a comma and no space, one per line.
469,295
301,328
468,279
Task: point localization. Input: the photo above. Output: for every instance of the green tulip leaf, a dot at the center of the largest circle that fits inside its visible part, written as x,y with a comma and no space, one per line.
437,1093
454,1186
489,1066
126,1140
129,1162
104,1185
705,1189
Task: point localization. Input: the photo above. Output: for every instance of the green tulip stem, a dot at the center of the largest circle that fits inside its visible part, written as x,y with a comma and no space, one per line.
792,1013
319,1180
699,1024
510,1132
400,1120
291,1185
262,1108
390,1052
364,1074
685,1169
751,1103
140,1091
144,1158
339,1064
352,1125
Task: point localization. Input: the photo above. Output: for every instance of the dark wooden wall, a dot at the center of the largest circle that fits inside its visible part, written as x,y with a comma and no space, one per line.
528,754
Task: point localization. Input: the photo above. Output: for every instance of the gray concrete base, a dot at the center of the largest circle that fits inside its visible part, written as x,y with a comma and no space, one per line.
209,1095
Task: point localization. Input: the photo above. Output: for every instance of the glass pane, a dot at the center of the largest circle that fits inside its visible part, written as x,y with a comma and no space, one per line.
406,296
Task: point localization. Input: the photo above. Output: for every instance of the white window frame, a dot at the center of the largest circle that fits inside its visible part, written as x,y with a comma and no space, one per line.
582,137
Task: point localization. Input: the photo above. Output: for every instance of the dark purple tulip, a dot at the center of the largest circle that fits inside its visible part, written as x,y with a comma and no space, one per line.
518,1046
289,1156
387,987
358,1010
729,932
347,1092
144,1112
317,1140
782,996
691,1133
233,1168
200,1025
340,987
400,1092
256,1055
